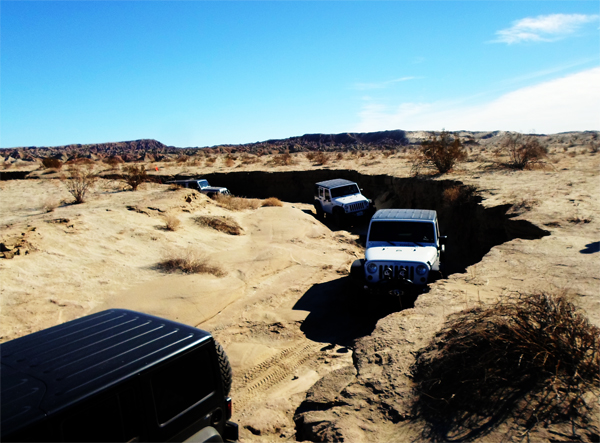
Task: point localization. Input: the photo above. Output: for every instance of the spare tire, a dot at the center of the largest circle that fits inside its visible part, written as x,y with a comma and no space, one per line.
224,368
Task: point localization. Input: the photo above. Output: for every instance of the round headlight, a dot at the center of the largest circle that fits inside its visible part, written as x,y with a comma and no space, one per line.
421,269
371,268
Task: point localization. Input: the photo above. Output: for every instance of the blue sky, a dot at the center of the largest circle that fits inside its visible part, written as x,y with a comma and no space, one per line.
203,73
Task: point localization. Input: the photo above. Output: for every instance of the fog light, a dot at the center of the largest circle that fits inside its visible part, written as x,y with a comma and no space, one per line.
370,277
423,279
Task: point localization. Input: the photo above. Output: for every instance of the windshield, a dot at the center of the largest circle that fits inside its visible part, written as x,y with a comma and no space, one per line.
203,183
344,190
401,231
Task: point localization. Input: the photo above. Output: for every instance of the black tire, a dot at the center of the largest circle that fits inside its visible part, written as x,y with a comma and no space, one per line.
357,270
319,210
338,217
224,368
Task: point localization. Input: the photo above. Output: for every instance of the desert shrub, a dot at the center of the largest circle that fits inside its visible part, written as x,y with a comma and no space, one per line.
171,222
321,158
229,162
182,159
219,223
339,155
530,359
460,194
188,261
79,181
271,201
210,161
248,159
236,203
522,151
52,163
134,175
284,159
442,153
310,155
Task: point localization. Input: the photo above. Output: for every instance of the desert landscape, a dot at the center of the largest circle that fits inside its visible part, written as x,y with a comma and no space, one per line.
273,285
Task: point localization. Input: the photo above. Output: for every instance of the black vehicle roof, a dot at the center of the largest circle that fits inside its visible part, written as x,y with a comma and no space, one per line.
51,369
335,183
404,214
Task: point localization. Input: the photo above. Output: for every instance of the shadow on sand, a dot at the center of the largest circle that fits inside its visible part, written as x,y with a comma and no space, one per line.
340,313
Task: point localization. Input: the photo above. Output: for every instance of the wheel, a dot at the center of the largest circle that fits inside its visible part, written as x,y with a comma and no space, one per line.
224,368
319,210
338,217
357,270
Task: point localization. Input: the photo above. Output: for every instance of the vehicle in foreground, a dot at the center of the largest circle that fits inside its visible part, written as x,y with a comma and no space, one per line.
404,249
116,375
341,199
201,185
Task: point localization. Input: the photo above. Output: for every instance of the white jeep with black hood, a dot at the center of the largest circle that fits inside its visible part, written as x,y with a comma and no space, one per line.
404,249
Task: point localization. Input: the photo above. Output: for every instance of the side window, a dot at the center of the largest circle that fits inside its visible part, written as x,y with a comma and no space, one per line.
115,418
321,193
182,383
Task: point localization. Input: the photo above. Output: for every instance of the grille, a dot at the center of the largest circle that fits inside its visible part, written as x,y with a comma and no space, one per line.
353,207
410,271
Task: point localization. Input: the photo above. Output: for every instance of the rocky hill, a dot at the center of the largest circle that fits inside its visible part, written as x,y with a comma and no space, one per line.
153,150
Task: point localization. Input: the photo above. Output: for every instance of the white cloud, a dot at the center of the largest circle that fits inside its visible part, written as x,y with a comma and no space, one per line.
381,85
543,28
570,103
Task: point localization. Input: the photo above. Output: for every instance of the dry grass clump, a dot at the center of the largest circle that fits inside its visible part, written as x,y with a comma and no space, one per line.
219,223
236,203
321,158
172,223
189,261
50,204
271,201
460,194
248,159
284,159
532,360
317,157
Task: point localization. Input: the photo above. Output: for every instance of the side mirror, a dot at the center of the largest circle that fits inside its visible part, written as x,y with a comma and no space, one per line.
443,239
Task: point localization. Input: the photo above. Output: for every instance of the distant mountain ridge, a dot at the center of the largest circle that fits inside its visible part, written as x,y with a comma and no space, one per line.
153,150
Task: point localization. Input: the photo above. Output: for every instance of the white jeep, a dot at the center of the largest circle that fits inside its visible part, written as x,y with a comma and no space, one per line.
200,185
404,248
342,200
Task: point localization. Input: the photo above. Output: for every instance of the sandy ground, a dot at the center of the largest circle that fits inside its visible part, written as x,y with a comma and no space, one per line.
281,310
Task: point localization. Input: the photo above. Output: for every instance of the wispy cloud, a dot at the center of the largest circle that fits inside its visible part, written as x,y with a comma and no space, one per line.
543,28
570,103
380,85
